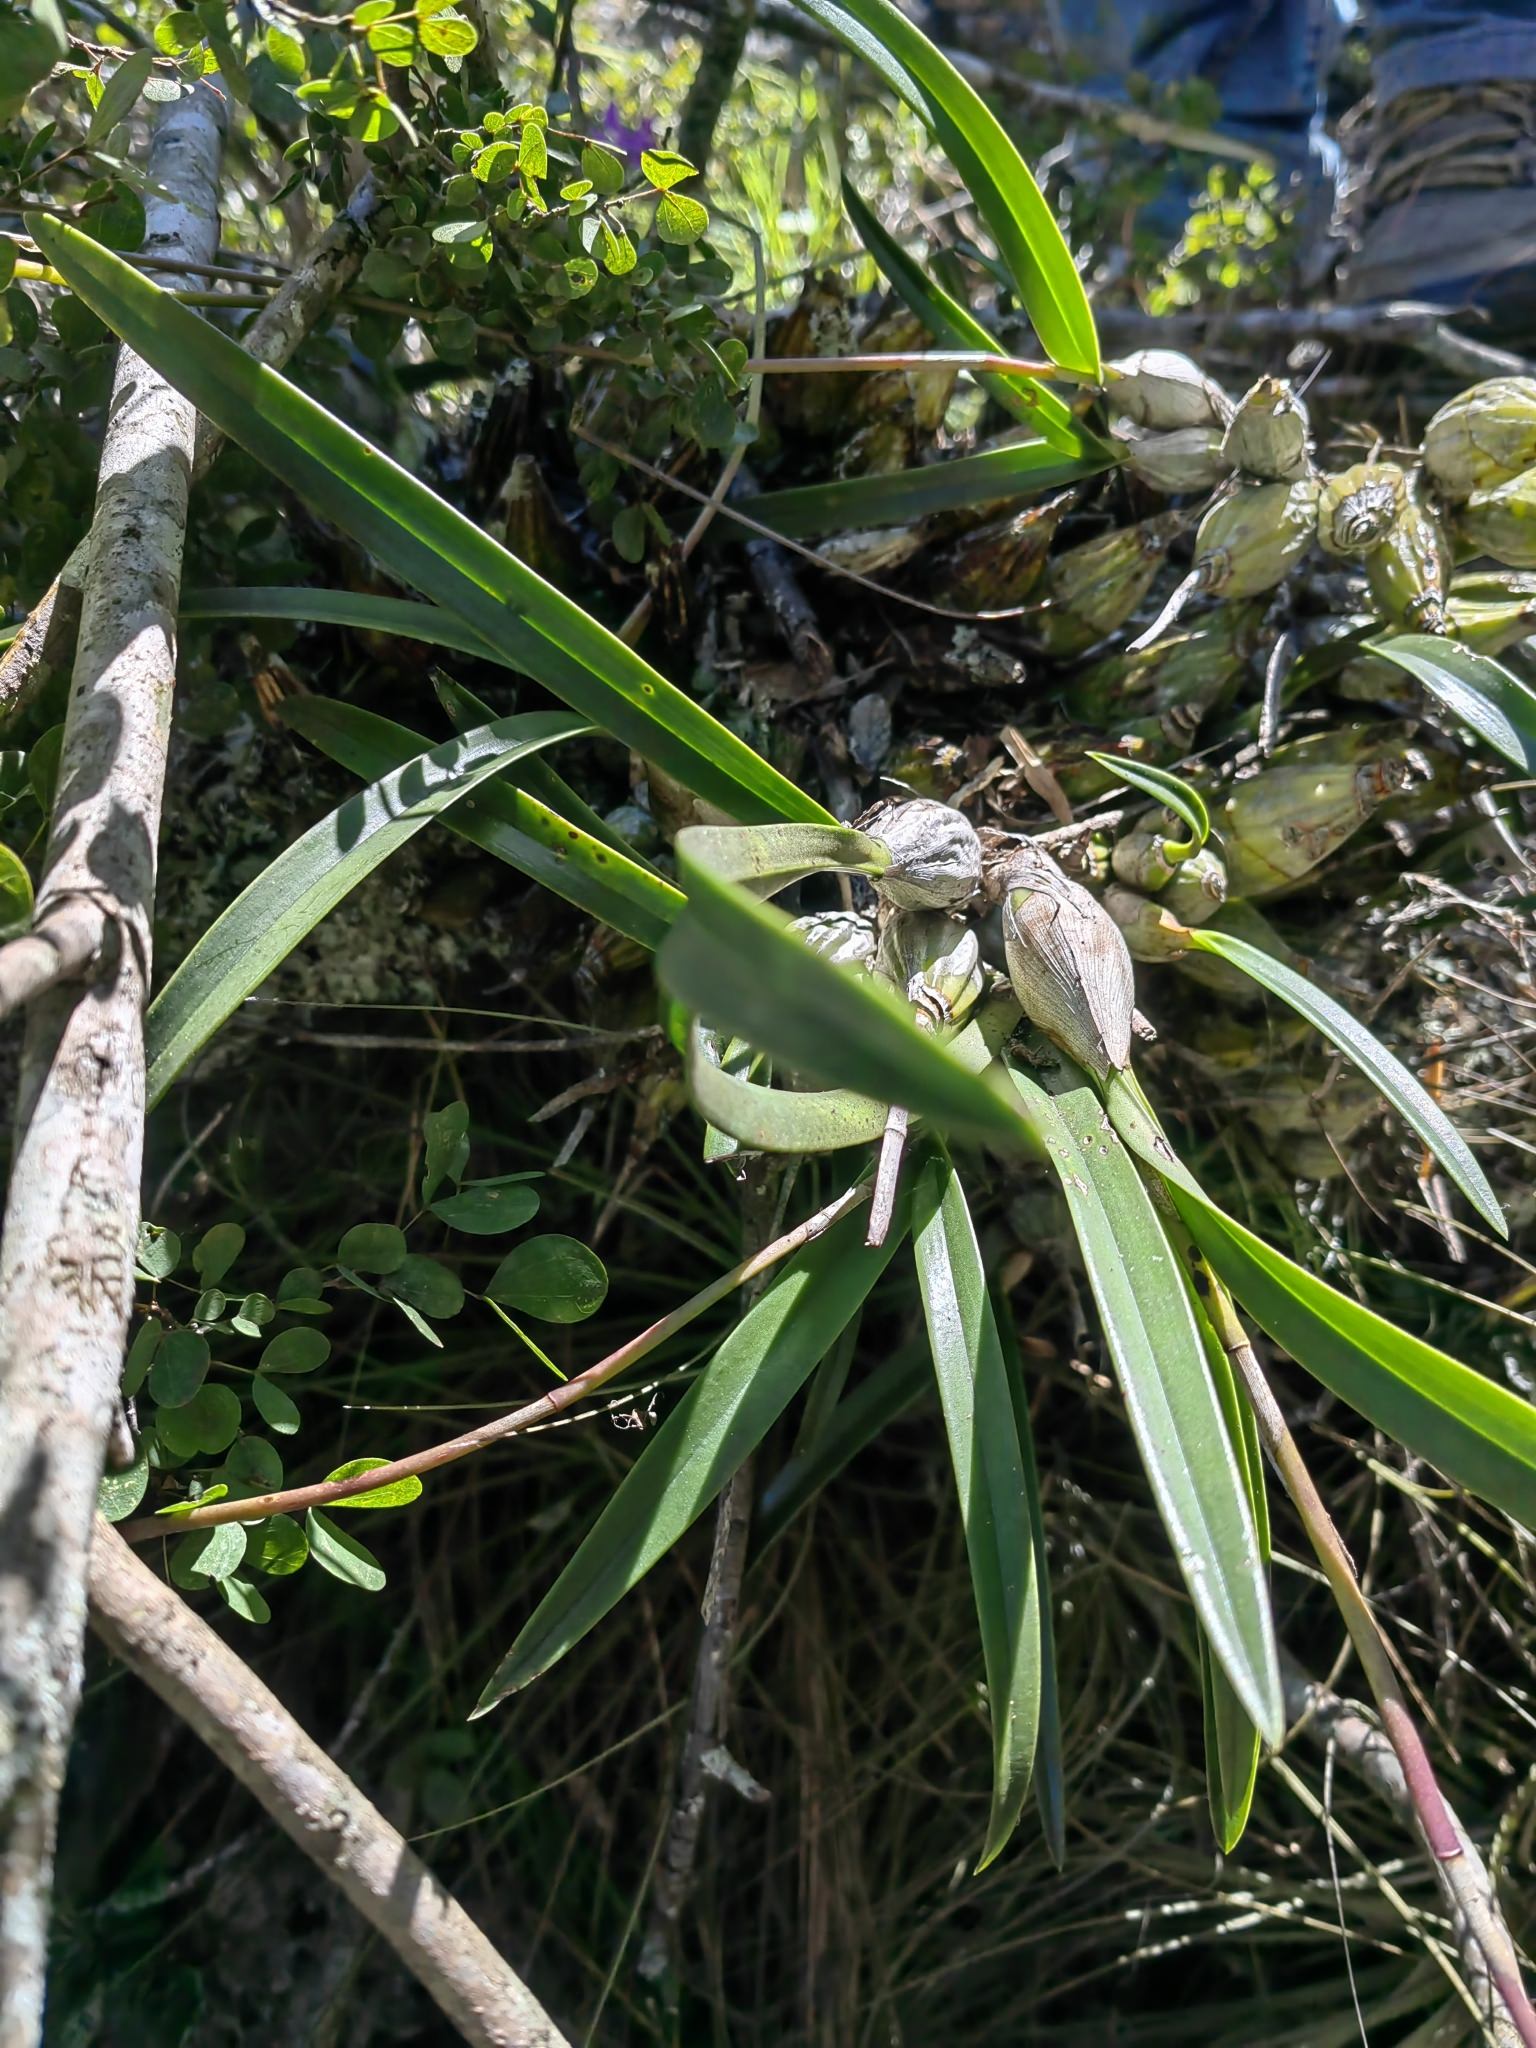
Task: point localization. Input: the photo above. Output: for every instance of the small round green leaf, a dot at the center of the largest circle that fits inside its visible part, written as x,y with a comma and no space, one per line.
399,1493
141,1355
372,1248
433,1289
446,1132
665,168
278,1546
274,1407
296,1351
242,1598
205,1555
180,1367
254,1464
554,1278
209,1422
217,1250
448,35
120,1492
339,1553
483,1210
15,892
253,1312
159,1251
680,220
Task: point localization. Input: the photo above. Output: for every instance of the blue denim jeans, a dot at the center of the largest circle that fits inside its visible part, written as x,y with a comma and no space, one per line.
1266,58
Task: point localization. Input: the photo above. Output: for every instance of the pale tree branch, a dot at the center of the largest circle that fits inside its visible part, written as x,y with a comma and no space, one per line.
66,1259
200,1678
46,639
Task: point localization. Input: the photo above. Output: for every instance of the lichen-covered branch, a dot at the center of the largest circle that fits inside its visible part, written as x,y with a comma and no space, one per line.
46,641
200,1678
66,1259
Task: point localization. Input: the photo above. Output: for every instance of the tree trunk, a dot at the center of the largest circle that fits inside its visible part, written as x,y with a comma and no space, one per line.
66,1260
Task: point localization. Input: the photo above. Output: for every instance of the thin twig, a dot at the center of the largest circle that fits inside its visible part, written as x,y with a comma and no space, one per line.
200,1678
567,1395
704,1757
1482,1930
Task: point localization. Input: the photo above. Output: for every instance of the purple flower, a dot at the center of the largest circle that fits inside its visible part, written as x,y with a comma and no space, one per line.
619,135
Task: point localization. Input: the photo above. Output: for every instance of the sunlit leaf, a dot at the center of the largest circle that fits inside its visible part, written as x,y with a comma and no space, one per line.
720,1420
1479,691
1412,1101
420,537
989,1478
1170,1402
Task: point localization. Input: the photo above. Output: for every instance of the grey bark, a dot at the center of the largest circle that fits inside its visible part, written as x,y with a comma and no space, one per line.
47,636
199,1677
66,1259
725,41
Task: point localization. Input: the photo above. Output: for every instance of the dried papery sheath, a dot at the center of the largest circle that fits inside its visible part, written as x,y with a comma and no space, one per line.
1067,960
1159,388
870,549
1407,574
1277,828
820,324
1093,588
934,961
1196,668
1187,459
844,937
877,449
935,854
998,564
1502,522
1491,625
1483,437
1148,933
1268,434
1245,544
1198,888
1357,508
537,532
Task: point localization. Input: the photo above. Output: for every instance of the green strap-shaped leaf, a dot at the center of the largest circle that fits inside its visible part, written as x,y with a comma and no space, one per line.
736,963
1412,1101
465,711
1022,469
767,858
1476,1432
308,879
1006,195
1473,687
857,1420
1050,1751
720,1420
778,1119
1175,795
423,540
1233,1746
1169,1398
949,321
989,1478
511,823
